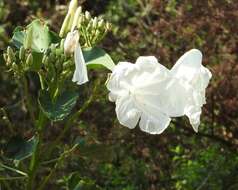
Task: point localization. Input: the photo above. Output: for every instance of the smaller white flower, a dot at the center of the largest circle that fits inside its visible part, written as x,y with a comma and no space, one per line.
72,46
148,93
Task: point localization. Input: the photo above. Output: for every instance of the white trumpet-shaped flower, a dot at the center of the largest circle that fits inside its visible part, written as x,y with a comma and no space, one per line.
149,93
71,45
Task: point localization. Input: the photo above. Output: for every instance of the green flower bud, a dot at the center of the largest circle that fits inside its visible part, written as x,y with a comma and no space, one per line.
65,26
76,18
62,44
87,15
11,54
15,67
5,57
73,6
45,60
29,38
90,24
80,21
22,53
29,60
101,23
95,22
108,26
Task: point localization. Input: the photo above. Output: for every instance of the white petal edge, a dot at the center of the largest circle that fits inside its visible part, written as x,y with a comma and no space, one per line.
187,65
80,74
127,114
154,125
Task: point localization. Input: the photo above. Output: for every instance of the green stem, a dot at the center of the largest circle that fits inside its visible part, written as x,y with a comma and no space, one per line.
28,99
52,171
35,157
13,169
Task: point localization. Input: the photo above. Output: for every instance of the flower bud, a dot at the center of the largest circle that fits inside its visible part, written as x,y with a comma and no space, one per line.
73,6
45,60
5,57
15,67
11,54
29,60
29,38
101,23
65,26
80,21
95,22
87,15
71,42
76,18
22,53
108,26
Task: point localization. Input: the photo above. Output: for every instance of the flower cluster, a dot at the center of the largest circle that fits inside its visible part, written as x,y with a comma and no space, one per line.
149,92
92,29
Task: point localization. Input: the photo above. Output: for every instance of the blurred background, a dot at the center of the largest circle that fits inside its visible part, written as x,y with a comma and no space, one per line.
115,157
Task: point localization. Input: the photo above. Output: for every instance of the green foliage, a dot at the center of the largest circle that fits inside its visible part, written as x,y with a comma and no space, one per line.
18,149
97,57
57,108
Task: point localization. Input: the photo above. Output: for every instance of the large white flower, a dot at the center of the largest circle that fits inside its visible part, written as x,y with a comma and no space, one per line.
71,45
149,92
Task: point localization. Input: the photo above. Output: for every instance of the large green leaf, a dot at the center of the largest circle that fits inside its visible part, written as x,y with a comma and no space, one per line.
60,108
40,36
18,148
97,58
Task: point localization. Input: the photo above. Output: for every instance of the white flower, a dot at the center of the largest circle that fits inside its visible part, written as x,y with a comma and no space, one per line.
71,45
149,92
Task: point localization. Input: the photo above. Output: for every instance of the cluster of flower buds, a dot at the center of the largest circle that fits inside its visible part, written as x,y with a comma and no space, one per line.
53,64
92,29
18,61
56,65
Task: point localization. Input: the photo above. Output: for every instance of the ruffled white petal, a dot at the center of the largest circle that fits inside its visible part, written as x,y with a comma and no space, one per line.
188,65
127,113
80,74
154,125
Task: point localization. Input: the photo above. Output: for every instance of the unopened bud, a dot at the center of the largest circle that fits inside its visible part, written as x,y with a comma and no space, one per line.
29,60
87,15
5,57
11,54
14,67
108,26
73,5
95,22
76,18
45,60
80,21
65,26
100,23
22,53
29,38
90,24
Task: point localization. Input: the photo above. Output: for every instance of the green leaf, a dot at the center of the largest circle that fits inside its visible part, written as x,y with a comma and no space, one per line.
18,37
60,108
19,149
97,58
40,35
